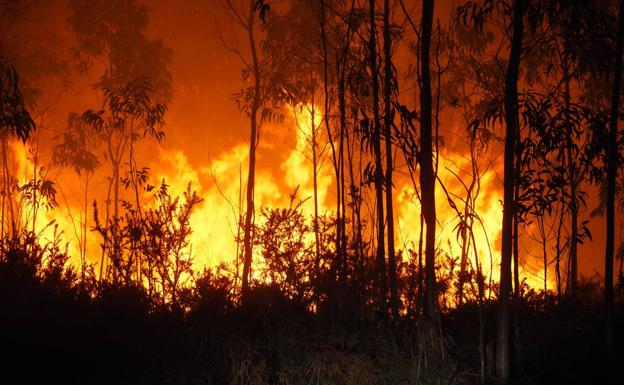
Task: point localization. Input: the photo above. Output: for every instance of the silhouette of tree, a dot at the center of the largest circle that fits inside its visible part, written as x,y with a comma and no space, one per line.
129,114
251,101
77,150
288,259
427,176
15,120
612,170
116,31
388,123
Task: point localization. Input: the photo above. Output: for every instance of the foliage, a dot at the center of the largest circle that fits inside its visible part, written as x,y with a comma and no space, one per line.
116,30
15,120
149,248
283,240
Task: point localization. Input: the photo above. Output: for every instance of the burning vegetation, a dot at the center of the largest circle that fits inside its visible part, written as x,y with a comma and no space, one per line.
311,191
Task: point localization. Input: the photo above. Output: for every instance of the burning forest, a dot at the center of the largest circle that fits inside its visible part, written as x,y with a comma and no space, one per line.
311,191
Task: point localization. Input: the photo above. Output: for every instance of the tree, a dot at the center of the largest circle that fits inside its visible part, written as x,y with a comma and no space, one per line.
77,149
129,114
288,258
511,132
378,168
250,101
427,176
115,30
612,169
388,123
291,47
15,120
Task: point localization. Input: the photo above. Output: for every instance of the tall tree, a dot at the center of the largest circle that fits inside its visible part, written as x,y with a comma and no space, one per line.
115,30
612,168
253,143
427,176
388,121
15,121
376,136
511,123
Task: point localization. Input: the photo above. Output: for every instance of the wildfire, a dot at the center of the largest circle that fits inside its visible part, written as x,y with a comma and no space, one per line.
221,184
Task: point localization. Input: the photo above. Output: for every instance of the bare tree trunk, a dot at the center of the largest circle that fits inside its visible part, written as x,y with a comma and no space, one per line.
463,261
516,239
35,207
253,142
571,285
338,243
381,261
317,252
83,250
388,118
8,181
342,107
612,167
421,291
427,177
511,122
558,253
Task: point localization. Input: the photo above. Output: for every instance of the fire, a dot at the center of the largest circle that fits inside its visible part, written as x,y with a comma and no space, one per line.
50,223
221,183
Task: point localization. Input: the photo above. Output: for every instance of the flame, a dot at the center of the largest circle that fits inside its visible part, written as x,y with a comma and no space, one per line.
51,223
222,185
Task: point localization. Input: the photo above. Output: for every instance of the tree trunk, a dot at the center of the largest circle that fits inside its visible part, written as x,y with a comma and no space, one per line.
253,142
317,250
612,166
511,122
335,160
381,261
427,177
394,298
572,281
342,107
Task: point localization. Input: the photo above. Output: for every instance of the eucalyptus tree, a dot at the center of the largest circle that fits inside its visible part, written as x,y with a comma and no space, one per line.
128,115
427,175
292,47
511,123
612,170
257,101
388,124
77,148
116,31
245,16
513,15
378,167
15,121
568,57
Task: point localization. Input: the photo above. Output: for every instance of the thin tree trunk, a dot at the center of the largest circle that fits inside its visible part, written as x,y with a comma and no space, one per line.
317,252
612,167
337,263
427,177
463,262
511,122
84,226
253,142
378,166
394,297
558,253
341,181
421,291
572,281
8,186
